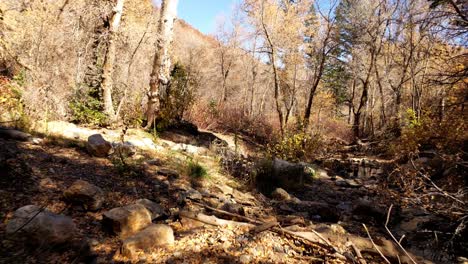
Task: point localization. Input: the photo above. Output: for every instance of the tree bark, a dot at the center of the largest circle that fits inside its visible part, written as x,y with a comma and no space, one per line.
312,91
107,83
159,82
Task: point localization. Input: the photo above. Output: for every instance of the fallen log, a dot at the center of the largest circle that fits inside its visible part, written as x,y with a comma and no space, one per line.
319,240
213,220
14,134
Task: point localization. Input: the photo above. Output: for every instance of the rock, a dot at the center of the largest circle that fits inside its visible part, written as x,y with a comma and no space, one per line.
366,211
233,208
126,221
125,149
86,194
187,148
280,195
327,212
145,143
224,189
155,162
153,236
98,146
14,134
245,259
155,209
45,226
347,183
168,173
191,194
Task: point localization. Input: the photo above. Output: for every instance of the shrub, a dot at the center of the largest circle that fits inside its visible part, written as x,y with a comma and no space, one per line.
296,146
11,102
210,115
430,132
180,99
196,170
86,108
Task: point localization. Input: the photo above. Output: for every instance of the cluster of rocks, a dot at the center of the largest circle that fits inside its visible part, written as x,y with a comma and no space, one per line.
99,147
132,223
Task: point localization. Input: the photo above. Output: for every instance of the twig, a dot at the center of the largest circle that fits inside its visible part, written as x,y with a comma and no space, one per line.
393,237
435,186
29,221
375,246
309,258
360,258
212,220
278,230
264,227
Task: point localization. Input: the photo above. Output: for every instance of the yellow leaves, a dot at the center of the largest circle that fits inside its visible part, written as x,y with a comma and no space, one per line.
284,22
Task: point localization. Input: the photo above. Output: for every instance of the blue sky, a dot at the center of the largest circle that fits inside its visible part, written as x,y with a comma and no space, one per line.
202,14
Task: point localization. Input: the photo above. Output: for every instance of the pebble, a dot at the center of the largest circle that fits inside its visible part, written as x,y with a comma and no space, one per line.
244,259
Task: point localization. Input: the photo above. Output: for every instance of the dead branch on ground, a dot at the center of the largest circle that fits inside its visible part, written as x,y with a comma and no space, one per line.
375,246
394,238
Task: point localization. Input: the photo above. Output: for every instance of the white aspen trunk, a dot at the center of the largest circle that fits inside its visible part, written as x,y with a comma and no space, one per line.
159,83
107,83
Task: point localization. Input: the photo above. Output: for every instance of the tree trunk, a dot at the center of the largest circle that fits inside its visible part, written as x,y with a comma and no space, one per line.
159,82
108,67
254,78
313,89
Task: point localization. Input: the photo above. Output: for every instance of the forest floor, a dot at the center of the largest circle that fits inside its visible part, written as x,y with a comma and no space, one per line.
319,223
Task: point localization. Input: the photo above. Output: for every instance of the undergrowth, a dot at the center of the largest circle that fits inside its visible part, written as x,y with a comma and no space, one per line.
196,170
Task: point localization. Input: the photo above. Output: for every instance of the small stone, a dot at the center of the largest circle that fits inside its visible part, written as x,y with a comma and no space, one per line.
245,259
278,248
168,172
126,221
191,194
154,162
233,208
155,235
125,149
86,194
98,146
280,195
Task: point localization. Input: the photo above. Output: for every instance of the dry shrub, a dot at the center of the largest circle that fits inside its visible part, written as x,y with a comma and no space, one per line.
335,128
429,132
231,119
12,112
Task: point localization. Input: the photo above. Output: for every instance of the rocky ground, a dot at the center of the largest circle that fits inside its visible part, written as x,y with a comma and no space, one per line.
81,195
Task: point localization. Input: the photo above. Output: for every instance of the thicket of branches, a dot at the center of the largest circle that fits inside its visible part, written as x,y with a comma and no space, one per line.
353,69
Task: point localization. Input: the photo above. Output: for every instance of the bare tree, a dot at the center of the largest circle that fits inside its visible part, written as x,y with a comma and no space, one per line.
320,49
159,83
108,67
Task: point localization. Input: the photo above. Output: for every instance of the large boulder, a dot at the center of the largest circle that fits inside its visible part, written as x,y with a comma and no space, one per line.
126,221
41,226
98,146
153,236
85,194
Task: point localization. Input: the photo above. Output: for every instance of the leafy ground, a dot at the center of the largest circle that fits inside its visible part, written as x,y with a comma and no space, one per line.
38,173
